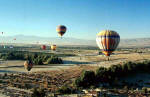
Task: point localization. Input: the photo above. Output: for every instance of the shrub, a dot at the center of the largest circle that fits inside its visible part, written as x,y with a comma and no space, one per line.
86,80
54,60
101,74
78,82
38,61
38,93
45,58
66,90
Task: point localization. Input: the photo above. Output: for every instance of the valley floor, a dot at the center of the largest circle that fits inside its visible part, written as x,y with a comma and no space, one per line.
56,75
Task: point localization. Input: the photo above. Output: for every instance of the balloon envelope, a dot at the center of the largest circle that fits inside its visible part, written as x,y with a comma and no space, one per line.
61,29
28,65
53,47
43,47
107,41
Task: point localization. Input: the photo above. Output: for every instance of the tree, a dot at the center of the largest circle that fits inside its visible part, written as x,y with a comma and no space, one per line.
102,74
54,60
86,80
38,61
65,90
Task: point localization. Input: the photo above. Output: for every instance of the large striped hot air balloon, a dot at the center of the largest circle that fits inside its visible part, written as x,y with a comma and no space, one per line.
28,65
107,41
53,47
43,47
61,29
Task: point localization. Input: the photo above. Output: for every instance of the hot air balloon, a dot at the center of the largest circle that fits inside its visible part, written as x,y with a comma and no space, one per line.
43,47
14,38
28,65
61,29
53,47
2,32
107,41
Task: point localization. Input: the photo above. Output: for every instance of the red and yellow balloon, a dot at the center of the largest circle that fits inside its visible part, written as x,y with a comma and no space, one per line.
53,47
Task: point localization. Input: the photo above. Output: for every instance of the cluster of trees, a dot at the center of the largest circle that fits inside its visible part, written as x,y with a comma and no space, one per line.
80,47
111,75
36,58
12,56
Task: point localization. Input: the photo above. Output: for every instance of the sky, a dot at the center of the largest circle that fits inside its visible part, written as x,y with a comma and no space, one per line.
83,18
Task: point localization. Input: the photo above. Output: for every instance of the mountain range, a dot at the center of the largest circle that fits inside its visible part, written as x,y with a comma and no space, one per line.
22,39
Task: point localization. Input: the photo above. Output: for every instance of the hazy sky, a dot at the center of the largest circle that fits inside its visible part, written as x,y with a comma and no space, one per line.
83,18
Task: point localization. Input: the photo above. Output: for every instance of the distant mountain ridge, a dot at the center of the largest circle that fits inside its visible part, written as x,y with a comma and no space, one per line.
138,42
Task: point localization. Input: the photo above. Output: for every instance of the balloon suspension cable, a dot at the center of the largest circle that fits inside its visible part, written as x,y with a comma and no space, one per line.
107,26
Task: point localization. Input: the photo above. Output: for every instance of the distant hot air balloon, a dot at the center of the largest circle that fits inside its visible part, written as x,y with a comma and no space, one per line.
61,29
14,38
28,65
53,47
107,41
43,47
2,32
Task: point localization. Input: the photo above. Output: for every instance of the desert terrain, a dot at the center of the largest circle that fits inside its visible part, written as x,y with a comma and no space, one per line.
52,76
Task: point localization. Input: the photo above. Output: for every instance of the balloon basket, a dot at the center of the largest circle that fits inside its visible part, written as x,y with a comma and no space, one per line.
108,58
